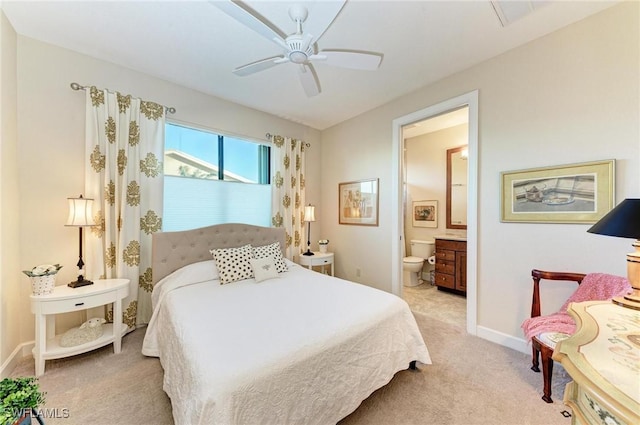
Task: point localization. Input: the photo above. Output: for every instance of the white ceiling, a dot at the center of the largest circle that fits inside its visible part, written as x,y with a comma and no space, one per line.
437,123
196,45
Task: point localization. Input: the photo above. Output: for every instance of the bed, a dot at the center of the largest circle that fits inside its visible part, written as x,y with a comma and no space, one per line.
299,348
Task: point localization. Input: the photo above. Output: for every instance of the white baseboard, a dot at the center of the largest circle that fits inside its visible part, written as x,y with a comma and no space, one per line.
518,344
23,350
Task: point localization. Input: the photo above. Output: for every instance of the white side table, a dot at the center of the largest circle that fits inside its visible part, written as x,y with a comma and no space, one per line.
64,299
317,259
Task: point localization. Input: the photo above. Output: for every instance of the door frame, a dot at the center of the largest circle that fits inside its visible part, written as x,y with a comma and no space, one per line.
469,99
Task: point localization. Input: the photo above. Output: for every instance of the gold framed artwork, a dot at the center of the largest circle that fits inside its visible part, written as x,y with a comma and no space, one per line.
358,202
425,214
572,193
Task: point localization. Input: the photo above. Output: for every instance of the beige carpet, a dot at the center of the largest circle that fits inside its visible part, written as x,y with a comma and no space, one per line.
471,381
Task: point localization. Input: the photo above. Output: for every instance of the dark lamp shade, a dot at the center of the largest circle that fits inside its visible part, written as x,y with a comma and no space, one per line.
622,221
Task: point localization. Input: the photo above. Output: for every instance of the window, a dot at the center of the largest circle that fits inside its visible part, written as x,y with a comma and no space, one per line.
211,179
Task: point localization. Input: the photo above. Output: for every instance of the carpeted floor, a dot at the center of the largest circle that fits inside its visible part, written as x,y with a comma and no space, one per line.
471,381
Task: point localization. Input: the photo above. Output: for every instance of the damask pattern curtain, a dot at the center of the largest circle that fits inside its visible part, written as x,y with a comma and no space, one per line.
288,191
124,147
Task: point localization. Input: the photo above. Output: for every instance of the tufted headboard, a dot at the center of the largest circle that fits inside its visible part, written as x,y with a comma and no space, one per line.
172,250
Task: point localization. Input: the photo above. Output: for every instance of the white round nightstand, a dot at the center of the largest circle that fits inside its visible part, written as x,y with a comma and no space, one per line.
64,299
317,259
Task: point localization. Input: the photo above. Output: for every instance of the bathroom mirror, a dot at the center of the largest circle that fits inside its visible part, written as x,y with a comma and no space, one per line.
457,187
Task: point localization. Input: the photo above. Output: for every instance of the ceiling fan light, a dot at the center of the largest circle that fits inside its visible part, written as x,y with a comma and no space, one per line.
298,57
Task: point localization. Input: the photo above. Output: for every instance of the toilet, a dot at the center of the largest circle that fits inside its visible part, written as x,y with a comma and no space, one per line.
412,265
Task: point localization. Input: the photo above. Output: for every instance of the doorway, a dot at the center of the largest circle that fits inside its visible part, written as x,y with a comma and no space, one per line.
435,206
397,217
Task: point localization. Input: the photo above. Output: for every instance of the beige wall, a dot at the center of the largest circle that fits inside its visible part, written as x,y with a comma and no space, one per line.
571,96
12,290
50,125
426,170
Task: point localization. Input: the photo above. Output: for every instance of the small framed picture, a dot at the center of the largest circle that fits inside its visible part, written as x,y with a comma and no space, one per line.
358,202
425,214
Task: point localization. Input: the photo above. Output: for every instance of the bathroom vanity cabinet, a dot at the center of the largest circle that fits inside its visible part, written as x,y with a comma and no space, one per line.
451,265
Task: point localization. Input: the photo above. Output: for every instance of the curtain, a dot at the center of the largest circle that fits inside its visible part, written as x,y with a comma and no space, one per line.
123,174
288,191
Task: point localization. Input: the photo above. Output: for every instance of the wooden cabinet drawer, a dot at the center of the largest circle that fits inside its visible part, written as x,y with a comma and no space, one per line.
78,303
451,264
451,245
447,268
445,255
445,280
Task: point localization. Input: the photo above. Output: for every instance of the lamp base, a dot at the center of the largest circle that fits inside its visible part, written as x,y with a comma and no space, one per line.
631,300
80,282
308,252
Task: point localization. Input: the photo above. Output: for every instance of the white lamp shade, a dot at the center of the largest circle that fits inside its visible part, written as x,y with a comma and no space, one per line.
309,213
80,212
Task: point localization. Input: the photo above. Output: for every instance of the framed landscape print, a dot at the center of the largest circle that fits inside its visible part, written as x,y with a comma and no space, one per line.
358,202
573,193
425,214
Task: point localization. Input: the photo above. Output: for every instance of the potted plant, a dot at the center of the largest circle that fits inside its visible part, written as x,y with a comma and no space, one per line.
322,243
43,278
19,400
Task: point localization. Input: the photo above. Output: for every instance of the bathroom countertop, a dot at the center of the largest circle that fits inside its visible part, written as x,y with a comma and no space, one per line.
452,237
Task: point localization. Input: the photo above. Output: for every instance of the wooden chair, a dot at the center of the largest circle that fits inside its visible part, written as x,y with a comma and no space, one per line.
538,346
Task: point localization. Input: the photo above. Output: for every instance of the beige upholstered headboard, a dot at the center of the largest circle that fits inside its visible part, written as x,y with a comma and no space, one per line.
172,250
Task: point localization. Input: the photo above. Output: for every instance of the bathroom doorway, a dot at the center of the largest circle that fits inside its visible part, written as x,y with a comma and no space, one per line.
402,124
435,206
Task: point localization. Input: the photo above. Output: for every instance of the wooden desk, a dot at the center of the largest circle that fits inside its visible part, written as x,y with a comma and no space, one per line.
603,358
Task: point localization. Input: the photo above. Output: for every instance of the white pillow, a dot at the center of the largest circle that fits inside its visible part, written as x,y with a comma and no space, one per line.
263,268
233,263
201,271
273,251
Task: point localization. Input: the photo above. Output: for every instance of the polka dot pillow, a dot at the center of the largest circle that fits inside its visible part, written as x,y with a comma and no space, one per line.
233,263
273,251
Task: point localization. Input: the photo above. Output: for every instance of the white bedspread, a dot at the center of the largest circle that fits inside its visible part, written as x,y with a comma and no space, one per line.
304,348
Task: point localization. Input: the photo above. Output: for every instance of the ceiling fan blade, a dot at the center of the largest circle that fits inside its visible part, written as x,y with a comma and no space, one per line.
309,79
257,66
354,59
321,15
243,13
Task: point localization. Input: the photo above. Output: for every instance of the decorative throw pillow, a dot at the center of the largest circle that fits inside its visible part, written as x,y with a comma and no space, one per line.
233,263
273,251
263,268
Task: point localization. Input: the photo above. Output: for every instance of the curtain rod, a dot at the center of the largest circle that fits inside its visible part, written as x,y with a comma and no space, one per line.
306,144
76,86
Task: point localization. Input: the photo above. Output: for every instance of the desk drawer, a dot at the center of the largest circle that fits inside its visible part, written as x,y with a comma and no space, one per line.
75,304
591,409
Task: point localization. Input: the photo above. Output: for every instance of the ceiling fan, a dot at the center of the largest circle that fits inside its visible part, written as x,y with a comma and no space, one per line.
300,47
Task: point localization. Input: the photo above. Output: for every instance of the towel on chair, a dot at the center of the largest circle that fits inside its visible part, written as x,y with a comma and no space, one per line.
594,287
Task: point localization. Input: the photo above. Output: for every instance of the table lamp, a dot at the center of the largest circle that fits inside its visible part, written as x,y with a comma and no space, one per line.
309,216
80,216
624,221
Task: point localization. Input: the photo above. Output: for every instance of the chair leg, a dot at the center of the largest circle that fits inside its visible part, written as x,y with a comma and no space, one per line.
547,372
534,358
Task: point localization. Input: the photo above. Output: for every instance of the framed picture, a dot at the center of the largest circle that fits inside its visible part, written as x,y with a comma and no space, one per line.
573,193
358,202
425,214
